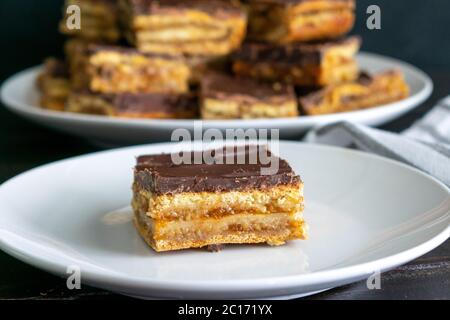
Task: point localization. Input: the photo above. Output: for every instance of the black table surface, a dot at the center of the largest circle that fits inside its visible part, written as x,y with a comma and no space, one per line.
24,145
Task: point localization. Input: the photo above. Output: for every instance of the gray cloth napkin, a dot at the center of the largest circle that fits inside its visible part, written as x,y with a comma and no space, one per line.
426,145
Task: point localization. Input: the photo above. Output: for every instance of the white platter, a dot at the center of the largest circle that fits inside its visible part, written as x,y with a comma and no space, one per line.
20,95
366,214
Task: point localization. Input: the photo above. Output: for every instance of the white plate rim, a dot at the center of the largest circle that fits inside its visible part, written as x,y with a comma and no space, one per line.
17,106
115,280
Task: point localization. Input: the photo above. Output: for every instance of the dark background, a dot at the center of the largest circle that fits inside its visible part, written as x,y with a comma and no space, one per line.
416,31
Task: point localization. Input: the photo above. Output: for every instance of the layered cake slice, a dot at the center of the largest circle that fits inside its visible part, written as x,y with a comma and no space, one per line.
134,105
54,84
180,206
111,69
79,53
188,27
76,51
283,21
226,97
99,20
368,91
303,64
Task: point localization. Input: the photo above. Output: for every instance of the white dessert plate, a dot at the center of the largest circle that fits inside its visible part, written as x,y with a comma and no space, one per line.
366,214
20,95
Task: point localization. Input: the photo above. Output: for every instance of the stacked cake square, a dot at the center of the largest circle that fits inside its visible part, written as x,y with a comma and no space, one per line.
218,59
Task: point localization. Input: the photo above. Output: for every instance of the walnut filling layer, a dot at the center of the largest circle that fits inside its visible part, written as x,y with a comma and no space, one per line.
191,206
219,109
113,72
274,229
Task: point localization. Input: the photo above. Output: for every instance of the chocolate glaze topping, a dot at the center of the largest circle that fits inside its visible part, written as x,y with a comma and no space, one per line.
221,86
144,102
295,53
158,173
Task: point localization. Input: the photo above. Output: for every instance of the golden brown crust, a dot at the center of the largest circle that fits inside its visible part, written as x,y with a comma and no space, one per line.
302,21
220,109
191,31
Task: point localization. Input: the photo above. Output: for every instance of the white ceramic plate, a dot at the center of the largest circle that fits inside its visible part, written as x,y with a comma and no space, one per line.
365,214
20,95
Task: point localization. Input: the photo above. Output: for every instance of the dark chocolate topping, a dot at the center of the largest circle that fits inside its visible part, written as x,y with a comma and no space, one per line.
159,174
294,53
147,102
221,86
142,102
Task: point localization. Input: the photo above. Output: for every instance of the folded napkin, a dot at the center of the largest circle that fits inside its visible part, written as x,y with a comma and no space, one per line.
426,145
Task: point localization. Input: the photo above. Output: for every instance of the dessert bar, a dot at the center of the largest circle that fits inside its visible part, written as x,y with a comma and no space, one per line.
283,21
226,97
99,20
180,206
76,51
119,69
191,27
78,54
54,84
311,64
368,91
138,105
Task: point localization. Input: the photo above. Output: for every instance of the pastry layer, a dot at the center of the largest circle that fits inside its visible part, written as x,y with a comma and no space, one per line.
201,205
317,64
299,20
367,92
225,97
274,229
195,27
54,85
119,70
99,20
220,109
138,105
